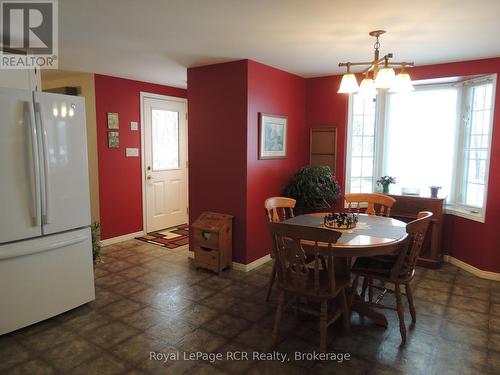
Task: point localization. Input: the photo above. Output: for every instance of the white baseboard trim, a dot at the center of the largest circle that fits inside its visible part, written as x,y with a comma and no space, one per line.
250,266
473,270
125,237
245,267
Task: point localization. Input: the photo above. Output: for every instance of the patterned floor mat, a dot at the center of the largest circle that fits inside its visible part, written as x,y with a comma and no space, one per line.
170,238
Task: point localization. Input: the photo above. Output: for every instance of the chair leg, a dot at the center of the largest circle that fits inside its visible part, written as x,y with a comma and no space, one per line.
271,281
370,290
365,286
323,263
409,295
401,313
323,320
277,319
345,314
354,289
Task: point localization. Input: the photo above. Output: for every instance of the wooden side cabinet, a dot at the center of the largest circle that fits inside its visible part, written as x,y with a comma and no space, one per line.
213,241
406,209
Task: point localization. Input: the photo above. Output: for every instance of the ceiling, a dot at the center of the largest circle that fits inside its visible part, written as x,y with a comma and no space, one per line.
156,41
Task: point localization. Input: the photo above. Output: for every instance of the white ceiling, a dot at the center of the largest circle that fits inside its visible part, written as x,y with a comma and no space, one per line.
155,41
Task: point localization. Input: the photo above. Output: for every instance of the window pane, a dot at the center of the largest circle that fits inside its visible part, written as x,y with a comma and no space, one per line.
476,145
474,195
362,144
357,125
165,139
357,146
420,139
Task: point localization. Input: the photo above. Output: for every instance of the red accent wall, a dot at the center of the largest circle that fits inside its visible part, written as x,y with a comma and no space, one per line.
276,92
225,175
120,180
472,242
324,107
217,107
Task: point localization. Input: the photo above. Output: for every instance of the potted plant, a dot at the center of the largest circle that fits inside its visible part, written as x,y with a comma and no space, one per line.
314,189
385,181
96,243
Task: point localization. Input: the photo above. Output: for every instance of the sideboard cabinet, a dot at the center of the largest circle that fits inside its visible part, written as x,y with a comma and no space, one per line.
406,209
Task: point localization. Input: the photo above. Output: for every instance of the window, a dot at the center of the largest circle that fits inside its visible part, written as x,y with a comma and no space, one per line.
420,143
477,144
362,148
165,139
436,135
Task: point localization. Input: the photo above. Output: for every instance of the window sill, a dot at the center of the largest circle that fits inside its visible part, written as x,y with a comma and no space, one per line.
479,217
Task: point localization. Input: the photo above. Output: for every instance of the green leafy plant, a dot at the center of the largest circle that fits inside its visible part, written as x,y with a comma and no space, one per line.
314,189
96,244
385,181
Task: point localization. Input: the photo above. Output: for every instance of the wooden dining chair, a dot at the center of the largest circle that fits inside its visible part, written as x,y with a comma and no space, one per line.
300,283
398,270
377,204
277,209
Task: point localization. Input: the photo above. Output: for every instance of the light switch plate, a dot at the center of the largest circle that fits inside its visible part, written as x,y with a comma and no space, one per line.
132,152
134,126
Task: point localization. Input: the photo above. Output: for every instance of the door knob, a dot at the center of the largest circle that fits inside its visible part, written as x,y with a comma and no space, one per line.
148,178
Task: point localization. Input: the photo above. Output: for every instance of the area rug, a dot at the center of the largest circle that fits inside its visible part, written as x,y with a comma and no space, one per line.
170,238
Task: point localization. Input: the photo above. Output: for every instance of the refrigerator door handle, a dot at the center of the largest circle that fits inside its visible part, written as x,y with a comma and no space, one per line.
25,249
30,118
45,148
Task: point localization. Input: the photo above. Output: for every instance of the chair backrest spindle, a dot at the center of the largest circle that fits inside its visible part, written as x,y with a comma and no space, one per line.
373,201
290,254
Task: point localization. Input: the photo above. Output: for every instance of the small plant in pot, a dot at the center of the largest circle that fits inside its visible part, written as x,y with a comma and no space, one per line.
314,189
386,181
96,243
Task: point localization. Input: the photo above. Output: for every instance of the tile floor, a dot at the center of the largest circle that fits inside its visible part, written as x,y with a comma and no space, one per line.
152,299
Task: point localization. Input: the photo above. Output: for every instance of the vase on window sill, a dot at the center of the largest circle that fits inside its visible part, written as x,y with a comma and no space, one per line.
385,189
434,191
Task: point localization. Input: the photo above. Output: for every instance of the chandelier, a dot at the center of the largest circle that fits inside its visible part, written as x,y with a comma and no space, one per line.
378,74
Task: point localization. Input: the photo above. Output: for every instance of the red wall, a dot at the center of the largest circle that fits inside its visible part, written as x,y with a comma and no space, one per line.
217,107
324,107
120,180
276,92
472,242
225,174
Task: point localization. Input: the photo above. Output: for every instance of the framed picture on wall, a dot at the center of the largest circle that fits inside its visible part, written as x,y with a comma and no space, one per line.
113,120
272,136
113,140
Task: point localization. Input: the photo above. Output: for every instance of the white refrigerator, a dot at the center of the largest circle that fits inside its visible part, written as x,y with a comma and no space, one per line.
45,241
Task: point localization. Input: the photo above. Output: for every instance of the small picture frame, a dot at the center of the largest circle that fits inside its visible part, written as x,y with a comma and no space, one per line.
272,136
113,140
113,122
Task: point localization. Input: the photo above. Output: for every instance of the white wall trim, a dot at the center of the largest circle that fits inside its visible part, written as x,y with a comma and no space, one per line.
250,266
473,270
144,95
245,267
125,237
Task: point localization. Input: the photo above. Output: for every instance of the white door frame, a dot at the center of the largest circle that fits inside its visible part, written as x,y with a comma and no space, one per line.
144,95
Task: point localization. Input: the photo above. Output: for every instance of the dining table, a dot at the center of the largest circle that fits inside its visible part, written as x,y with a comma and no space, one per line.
372,236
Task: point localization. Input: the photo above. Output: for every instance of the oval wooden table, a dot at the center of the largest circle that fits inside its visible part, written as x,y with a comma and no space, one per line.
373,235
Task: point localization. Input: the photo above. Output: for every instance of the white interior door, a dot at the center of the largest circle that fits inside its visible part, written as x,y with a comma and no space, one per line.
165,152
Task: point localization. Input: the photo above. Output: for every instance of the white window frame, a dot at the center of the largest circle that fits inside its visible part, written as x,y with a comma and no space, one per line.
455,205
377,139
